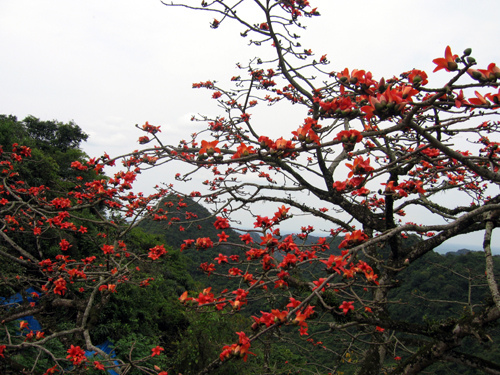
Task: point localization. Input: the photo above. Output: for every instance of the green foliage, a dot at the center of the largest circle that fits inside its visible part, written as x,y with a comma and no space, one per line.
440,287
55,145
441,278
202,341
51,135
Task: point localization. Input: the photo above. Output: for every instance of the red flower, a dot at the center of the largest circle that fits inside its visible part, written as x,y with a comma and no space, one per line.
283,144
361,192
492,73
144,139
209,268
269,241
186,244
245,117
460,99
351,136
418,77
247,238
293,303
61,203
353,239
479,100
447,63
495,98
346,306
339,185
156,252
242,151
359,167
234,271
265,142
64,245
51,370
483,75
184,297
223,237
318,283
306,133
76,355
150,128
209,148
204,243
221,258
60,286
156,351
239,350
262,222
221,223
108,249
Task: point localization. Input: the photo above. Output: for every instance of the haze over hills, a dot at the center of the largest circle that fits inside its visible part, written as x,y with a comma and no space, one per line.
203,227
454,248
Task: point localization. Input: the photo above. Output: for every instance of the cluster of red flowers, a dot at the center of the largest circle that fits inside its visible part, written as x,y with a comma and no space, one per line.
156,252
76,355
241,349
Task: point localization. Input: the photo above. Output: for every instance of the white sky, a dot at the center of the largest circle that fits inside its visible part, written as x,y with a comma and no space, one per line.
110,64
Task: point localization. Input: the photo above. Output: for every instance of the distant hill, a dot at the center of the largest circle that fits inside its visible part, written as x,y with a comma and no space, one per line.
184,219
459,252
191,220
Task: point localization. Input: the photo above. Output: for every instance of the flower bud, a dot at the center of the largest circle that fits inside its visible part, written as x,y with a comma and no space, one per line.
476,74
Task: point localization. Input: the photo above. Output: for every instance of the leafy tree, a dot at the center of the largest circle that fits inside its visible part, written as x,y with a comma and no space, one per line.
367,156
54,147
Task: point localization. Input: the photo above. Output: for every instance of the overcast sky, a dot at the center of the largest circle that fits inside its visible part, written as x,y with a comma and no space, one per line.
110,64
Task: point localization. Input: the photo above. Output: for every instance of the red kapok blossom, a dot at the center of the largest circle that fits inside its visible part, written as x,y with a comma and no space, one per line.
76,355
156,351
346,306
447,63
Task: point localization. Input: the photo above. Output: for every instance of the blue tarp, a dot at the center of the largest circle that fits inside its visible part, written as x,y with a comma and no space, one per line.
106,347
17,299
